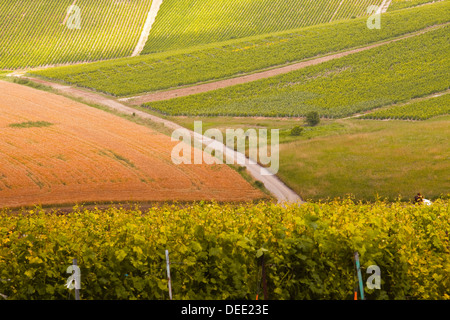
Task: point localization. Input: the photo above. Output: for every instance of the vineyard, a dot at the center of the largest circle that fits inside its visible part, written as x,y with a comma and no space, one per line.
216,251
388,74
220,20
87,169
402,4
148,73
42,32
417,110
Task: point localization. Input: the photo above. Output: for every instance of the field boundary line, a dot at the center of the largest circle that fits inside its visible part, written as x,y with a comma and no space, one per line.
413,100
262,74
151,17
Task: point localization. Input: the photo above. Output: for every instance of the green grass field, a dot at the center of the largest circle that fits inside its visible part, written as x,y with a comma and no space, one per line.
362,158
153,72
389,159
32,33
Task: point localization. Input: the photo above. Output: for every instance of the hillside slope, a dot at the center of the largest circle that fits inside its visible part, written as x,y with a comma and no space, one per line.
57,151
188,23
42,32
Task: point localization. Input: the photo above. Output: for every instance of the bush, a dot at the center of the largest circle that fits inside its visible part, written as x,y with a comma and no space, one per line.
296,131
312,118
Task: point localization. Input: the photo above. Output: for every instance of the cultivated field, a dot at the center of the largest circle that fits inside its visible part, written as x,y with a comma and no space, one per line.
137,75
41,32
94,135
45,32
215,251
186,23
57,151
420,109
388,74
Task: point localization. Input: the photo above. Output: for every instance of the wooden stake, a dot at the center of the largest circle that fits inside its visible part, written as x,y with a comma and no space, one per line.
266,295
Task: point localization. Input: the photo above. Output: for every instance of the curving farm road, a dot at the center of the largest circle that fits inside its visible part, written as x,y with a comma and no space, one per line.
278,189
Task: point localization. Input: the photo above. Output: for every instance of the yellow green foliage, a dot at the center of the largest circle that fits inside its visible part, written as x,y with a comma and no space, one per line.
216,249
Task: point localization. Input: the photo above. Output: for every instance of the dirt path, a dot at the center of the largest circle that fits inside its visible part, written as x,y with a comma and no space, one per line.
210,86
272,183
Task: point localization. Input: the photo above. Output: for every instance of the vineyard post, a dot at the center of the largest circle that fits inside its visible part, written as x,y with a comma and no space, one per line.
358,269
168,274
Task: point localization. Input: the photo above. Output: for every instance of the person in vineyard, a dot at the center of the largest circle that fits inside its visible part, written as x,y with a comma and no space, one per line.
418,199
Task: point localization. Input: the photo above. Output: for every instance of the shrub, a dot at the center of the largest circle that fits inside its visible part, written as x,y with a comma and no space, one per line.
296,131
312,118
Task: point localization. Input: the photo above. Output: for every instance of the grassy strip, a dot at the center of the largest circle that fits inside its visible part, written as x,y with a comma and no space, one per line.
31,124
154,72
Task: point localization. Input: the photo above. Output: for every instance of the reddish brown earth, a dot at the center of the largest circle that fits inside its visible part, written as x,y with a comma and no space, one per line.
88,155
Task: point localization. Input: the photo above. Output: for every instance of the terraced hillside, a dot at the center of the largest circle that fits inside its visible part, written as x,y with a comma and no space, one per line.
395,72
42,32
131,76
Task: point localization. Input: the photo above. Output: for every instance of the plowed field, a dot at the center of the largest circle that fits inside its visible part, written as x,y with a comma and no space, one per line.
57,151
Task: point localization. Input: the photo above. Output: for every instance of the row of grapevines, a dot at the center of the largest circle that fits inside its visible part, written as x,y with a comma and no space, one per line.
155,72
33,33
215,251
401,4
389,74
418,110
